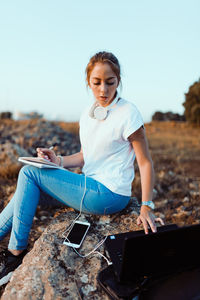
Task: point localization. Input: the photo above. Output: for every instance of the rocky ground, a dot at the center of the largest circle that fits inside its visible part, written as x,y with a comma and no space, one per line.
175,149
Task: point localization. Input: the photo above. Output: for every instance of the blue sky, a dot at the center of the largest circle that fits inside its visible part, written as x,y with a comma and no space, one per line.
45,46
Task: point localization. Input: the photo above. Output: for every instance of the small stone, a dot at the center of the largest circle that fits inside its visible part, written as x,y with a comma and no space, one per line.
186,199
161,203
127,220
84,278
171,173
42,218
104,219
155,193
88,289
194,193
193,185
160,215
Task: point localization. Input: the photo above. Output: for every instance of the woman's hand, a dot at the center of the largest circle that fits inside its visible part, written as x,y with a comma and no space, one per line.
148,219
48,154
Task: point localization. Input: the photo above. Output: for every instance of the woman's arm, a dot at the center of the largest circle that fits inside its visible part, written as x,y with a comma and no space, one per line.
74,160
139,142
69,161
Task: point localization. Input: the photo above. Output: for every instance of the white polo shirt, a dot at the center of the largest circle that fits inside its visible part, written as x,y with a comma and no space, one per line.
108,155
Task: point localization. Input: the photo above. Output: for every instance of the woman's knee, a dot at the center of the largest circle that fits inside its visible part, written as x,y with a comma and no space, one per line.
27,171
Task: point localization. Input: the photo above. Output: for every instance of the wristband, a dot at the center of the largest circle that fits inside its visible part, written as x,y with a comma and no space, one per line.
149,204
61,160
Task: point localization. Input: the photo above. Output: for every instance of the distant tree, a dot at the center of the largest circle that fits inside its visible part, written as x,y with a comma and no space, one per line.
167,116
157,116
5,115
192,104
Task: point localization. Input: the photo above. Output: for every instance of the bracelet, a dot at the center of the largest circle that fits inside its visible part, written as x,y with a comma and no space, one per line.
61,160
149,204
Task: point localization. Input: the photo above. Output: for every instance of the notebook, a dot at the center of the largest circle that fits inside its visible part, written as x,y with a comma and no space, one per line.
136,256
39,162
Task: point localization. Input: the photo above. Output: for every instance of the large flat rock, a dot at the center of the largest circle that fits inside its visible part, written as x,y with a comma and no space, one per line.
53,271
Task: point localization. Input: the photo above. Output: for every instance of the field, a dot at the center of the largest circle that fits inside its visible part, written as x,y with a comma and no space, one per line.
175,150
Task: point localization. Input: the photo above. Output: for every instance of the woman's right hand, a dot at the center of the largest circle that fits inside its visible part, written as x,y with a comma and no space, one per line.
48,154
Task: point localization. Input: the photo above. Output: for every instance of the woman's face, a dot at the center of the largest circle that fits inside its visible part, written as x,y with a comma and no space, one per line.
103,83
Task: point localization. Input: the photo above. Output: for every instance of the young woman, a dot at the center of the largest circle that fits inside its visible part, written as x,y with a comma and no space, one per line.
112,135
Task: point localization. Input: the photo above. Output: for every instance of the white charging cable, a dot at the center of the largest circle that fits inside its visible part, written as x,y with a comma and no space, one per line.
72,224
80,212
93,251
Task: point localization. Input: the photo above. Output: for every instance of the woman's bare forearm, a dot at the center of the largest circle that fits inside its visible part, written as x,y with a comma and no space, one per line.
147,180
74,160
140,145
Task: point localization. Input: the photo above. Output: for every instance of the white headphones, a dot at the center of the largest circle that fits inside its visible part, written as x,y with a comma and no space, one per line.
100,112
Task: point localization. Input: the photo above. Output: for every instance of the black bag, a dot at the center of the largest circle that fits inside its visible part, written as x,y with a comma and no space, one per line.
183,285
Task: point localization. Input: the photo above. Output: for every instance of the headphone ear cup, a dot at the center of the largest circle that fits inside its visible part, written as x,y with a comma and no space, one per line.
100,113
91,112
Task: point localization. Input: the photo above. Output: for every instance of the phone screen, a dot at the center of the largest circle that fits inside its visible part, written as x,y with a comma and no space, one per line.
76,234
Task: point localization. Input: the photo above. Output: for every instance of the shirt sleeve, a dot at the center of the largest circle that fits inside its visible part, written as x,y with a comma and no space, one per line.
133,122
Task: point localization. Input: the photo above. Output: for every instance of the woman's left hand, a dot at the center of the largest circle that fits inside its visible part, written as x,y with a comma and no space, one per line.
148,219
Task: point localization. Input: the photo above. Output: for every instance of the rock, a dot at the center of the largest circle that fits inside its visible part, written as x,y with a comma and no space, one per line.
194,193
193,185
161,174
160,215
51,270
9,153
175,152
170,173
21,138
186,199
161,203
38,133
9,165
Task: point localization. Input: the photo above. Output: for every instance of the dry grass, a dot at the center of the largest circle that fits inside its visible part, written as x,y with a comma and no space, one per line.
175,150
9,171
177,144
72,127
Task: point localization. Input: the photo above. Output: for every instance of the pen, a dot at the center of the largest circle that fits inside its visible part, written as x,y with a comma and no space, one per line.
46,156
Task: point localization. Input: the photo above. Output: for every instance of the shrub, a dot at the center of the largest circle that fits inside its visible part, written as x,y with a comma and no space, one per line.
167,116
6,115
192,103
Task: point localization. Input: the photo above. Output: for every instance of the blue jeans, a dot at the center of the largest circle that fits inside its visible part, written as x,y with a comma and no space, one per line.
63,185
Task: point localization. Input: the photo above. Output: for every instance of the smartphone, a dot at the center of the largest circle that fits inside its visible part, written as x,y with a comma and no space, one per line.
77,234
